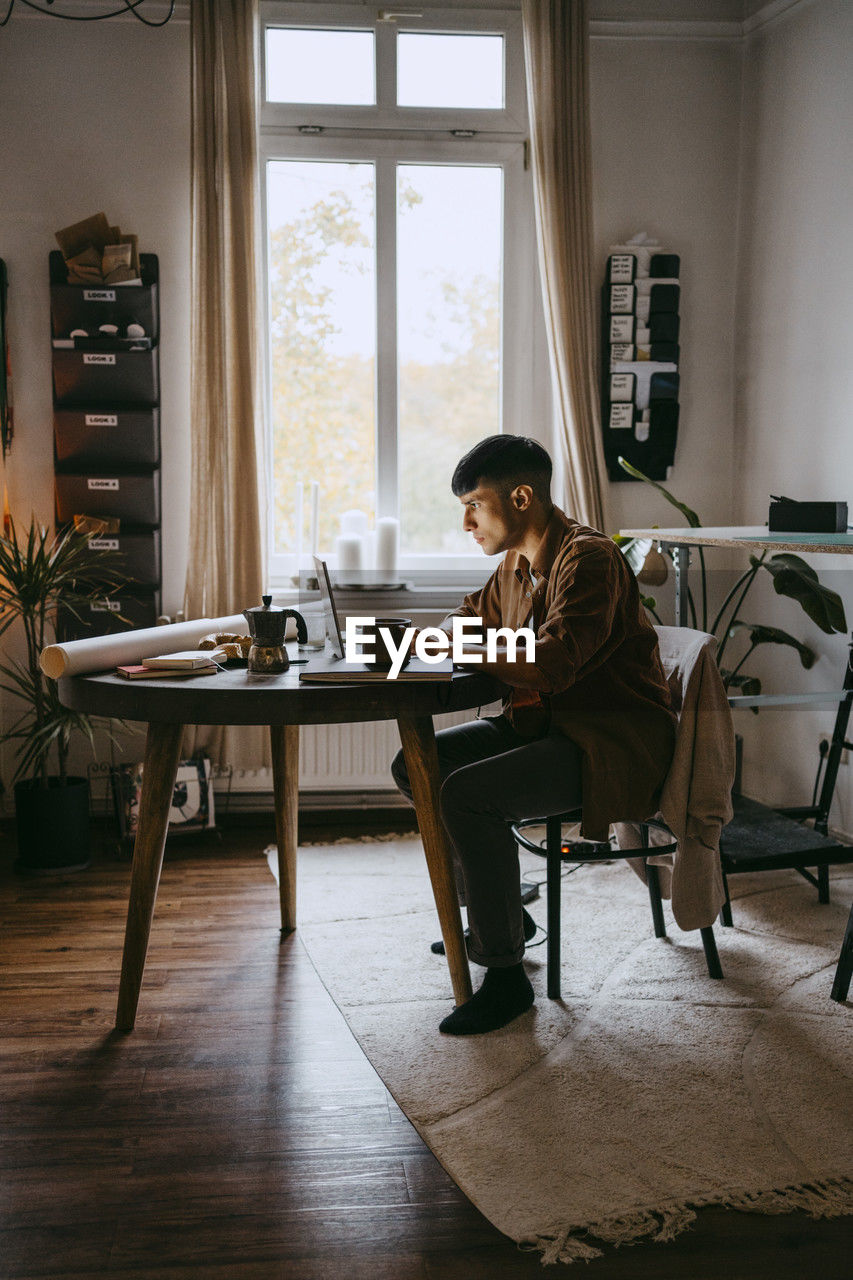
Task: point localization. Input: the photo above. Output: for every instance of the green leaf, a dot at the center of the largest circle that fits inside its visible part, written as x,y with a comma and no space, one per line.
634,550
794,578
691,516
750,686
747,684
759,634
41,574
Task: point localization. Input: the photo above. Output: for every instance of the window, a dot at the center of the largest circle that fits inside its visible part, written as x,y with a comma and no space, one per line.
400,264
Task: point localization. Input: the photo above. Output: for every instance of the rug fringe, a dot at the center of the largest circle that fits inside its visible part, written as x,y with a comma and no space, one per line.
830,1198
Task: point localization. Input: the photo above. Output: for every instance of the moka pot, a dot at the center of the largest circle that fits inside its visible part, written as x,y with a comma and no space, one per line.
267,624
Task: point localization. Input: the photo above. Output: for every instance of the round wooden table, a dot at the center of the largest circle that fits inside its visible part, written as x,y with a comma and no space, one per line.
234,697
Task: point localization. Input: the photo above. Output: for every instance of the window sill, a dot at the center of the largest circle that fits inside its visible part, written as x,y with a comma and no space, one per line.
409,599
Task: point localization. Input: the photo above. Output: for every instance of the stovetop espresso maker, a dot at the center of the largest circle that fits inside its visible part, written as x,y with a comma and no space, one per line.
267,624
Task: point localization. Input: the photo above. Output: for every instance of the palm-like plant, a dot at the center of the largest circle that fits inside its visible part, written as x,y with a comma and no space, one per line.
40,575
791,576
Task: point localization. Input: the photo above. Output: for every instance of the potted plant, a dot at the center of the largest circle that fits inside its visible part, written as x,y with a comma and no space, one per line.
42,575
792,577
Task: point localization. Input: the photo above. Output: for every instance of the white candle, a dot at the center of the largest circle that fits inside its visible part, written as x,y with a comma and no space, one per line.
387,548
297,521
370,549
354,522
350,550
315,516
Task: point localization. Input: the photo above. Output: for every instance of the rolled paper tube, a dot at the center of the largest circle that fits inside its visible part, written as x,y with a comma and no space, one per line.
315,516
350,549
354,522
100,653
387,546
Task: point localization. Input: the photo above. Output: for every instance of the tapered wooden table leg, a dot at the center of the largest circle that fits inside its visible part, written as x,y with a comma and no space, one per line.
418,738
162,753
284,740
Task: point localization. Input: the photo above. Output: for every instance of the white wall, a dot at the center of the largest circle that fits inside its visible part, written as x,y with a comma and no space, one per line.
665,119
95,116
795,321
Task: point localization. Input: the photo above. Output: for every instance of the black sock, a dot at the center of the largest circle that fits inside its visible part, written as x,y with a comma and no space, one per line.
505,994
528,925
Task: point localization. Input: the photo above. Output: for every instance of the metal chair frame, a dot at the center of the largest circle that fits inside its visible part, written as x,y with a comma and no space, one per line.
844,971
591,851
833,853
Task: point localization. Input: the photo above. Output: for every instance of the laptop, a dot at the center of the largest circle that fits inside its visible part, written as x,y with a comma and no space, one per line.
334,635
332,667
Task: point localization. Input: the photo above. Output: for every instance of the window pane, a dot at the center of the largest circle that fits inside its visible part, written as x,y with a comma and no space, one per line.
449,250
322,341
334,67
450,71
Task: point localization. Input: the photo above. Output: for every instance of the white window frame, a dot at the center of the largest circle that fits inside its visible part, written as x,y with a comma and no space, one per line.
369,134
385,114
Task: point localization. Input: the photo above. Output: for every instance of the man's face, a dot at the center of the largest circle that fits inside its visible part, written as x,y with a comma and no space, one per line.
494,520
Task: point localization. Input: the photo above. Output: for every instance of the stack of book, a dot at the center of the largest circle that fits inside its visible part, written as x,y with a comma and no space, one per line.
189,663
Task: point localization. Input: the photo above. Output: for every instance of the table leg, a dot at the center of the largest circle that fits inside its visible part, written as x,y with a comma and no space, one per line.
162,753
418,739
284,741
681,561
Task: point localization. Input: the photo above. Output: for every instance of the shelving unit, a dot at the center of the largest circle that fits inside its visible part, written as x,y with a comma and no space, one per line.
640,349
106,420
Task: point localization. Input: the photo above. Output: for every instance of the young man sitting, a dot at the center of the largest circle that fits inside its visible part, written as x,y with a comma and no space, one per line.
587,722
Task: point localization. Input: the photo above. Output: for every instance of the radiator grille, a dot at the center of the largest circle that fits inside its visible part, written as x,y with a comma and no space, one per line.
344,757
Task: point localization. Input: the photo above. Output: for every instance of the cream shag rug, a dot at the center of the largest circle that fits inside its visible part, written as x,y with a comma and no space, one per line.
648,1091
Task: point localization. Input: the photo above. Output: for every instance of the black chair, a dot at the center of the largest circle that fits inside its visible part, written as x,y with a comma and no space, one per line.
555,849
844,972
761,838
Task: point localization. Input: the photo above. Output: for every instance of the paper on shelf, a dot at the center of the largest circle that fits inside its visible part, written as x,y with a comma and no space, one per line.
100,653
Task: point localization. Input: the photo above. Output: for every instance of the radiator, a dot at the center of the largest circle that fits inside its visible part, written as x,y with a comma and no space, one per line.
343,757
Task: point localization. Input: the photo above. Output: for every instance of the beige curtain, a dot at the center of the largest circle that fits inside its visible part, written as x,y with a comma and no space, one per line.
556,54
226,570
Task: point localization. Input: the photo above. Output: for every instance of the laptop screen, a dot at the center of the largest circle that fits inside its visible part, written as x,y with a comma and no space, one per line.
327,595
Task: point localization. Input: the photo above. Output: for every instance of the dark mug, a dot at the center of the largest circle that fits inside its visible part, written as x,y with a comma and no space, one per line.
375,642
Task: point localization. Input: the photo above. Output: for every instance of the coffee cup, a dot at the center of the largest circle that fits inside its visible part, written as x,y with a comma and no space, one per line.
375,642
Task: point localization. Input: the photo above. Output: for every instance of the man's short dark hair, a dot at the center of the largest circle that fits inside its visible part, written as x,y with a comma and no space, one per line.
502,462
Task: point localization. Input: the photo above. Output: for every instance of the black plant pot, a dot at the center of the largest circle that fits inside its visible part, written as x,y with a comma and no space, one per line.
53,826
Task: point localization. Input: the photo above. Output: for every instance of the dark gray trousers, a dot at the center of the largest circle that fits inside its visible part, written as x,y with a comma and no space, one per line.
492,776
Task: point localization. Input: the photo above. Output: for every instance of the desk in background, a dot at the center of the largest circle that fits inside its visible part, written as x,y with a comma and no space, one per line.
745,537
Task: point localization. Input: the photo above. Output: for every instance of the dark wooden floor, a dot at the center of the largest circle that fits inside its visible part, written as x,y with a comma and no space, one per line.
239,1132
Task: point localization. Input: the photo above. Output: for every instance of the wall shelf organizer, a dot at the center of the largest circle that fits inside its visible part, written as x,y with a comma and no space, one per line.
106,429
640,349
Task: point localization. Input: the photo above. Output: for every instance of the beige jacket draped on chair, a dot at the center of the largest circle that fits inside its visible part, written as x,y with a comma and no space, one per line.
696,798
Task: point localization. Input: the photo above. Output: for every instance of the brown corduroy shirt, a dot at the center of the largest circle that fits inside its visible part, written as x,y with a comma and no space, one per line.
597,667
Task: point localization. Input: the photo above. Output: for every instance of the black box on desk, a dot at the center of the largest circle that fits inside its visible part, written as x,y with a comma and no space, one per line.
789,516
101,437
132,499
106,377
